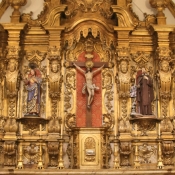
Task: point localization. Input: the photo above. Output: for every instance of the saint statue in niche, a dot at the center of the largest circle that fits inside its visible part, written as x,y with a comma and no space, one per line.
33,81
145,94
89,86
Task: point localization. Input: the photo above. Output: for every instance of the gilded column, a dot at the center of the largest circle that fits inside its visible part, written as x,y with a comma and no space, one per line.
12,78
55,86
123,81
164,76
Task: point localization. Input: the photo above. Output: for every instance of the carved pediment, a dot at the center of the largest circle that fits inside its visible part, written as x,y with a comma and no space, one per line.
35,56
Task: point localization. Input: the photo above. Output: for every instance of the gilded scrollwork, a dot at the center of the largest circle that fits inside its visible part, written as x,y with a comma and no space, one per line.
31,154
10,125
166,125
134,16
10,153
27,17
2,122
150,19
53,150
146,152
106,150
76,150
145,125
103,6
108,120
164,53
70,121
168,152
1,88
49,16
69,152
125,151
90,149
171,7
54,125
107,84
70,87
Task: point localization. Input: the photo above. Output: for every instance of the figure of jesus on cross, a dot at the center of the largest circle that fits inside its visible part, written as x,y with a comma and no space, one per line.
89,80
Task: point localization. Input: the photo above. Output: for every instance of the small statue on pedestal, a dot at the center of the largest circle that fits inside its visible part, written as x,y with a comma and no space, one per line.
33,81
145,94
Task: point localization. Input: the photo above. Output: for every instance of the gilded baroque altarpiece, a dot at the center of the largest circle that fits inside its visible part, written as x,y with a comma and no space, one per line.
69,83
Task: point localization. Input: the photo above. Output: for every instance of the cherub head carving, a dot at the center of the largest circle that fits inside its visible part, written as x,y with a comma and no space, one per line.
55,66
124,66
12,65
164,66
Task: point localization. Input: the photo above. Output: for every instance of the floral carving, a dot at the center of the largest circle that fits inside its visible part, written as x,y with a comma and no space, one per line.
53,150
168,152
103,6
9,153
31,153
146,152
125,151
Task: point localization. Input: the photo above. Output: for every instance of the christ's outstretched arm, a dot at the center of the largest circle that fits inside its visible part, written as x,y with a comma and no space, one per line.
81,70
97,70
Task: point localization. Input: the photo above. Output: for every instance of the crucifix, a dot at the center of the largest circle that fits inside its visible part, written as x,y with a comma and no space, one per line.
89,87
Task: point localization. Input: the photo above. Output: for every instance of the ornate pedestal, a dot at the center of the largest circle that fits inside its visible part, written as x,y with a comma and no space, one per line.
144,122
88,148
32,123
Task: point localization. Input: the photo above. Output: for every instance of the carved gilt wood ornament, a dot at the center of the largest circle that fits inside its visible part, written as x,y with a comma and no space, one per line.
87,85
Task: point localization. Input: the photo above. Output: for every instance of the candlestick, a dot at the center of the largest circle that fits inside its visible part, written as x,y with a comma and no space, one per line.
21,130
61,129
136,129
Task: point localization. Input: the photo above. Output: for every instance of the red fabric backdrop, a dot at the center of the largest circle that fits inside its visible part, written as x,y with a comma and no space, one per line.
96,106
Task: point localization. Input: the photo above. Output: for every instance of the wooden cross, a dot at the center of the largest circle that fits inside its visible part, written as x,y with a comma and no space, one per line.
82,65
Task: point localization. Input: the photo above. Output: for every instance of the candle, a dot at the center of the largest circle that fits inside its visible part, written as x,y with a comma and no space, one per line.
159,129
40,129
21,129
61,130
